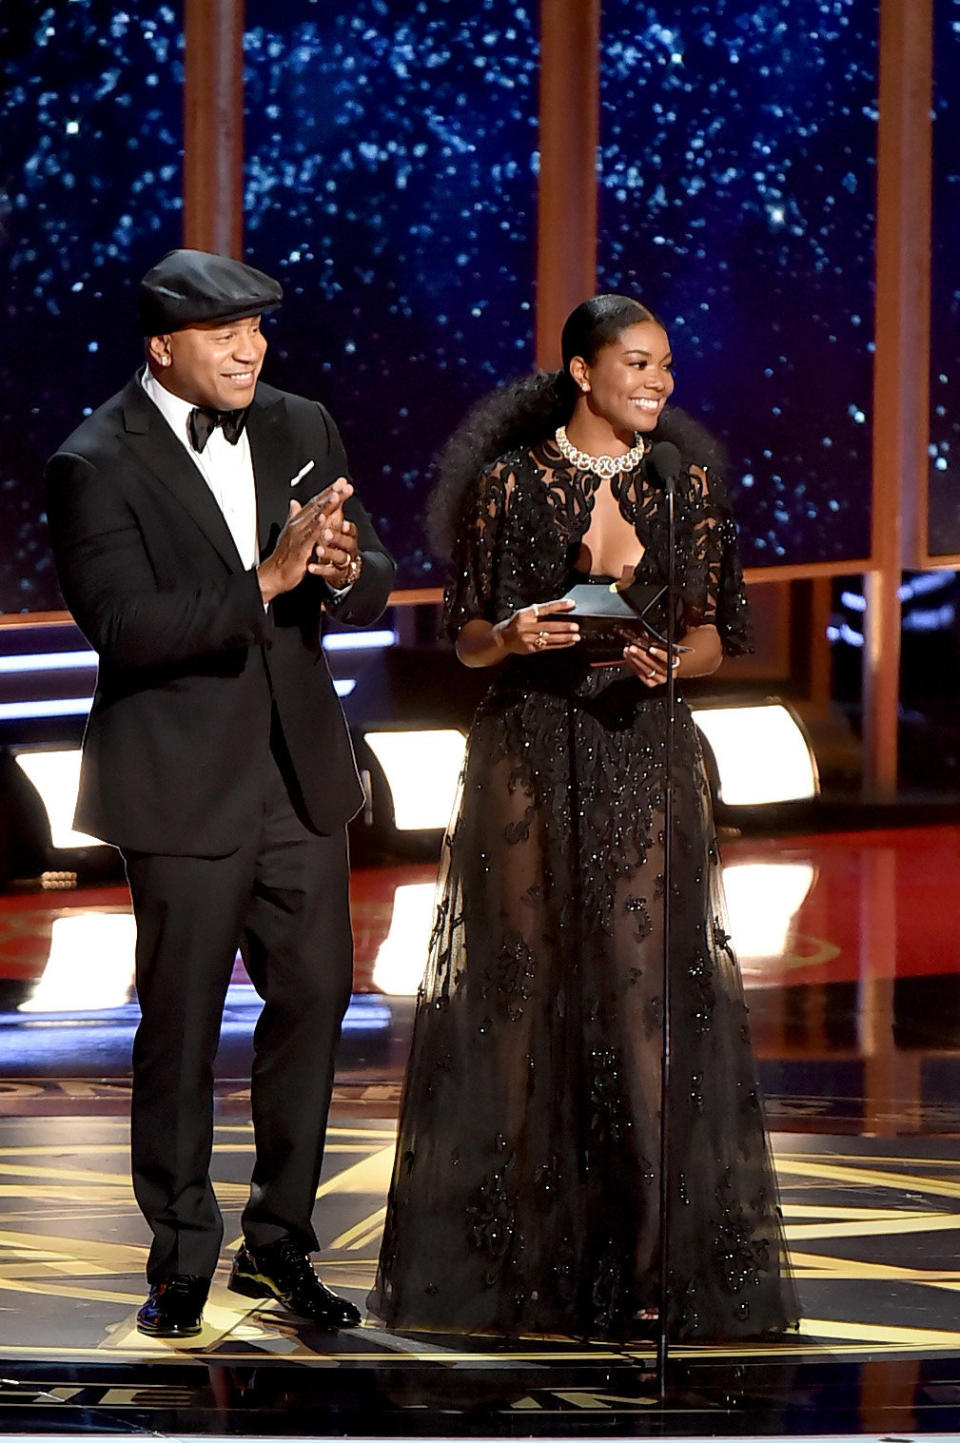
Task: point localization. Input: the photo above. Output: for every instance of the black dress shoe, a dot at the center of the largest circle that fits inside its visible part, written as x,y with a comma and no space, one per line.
282,1270
174,1308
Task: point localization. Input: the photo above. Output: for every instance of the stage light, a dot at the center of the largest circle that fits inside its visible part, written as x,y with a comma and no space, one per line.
422,769
761,751
80,705
762,900
48,661
359,640
55,774
400,959
48,707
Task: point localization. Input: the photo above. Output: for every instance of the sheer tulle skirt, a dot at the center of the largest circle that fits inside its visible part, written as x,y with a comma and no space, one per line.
526,1192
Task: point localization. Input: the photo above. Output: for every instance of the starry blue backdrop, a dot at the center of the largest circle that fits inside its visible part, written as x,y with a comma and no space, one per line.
91,99
390,182
944,490
737,194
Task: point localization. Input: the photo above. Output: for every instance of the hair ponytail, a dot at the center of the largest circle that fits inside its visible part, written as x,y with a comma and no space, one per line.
508,419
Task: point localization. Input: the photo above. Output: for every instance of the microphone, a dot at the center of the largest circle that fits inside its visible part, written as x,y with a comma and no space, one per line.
664,461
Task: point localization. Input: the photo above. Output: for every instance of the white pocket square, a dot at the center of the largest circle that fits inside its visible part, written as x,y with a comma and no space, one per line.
304,471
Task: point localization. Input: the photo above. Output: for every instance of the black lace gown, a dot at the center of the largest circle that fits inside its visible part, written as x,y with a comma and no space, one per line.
525,1194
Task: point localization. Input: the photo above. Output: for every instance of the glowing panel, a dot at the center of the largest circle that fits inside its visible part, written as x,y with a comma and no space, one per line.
403,952
56,776
762,900
422,769
91,964
762,754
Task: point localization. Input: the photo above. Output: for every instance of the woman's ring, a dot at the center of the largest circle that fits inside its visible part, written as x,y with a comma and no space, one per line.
541,640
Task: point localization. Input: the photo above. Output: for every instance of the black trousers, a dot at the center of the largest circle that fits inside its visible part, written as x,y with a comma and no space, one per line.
283,898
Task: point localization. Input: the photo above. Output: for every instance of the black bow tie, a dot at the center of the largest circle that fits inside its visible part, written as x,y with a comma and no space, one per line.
204,420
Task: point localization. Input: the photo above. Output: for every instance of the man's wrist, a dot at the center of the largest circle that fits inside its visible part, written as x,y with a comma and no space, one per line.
268,589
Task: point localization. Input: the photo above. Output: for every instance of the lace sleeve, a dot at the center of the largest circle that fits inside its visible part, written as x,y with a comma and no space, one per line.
471,589
715,594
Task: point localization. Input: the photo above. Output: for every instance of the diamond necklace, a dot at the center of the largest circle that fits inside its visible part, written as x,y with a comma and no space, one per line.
605,466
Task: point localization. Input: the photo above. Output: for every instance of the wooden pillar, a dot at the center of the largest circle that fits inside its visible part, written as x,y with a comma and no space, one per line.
569,136
901,364
213,126
821,660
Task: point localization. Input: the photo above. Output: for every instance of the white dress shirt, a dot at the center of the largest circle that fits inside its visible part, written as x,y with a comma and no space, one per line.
227,470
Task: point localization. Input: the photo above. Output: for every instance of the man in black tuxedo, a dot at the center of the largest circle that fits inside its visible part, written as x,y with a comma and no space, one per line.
202,524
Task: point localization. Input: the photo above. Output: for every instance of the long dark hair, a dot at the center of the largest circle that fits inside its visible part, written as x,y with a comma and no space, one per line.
527,410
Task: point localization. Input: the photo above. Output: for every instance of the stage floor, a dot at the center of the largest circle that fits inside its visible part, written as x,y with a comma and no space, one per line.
851,954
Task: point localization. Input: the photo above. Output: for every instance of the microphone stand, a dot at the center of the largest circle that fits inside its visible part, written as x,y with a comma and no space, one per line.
666,1055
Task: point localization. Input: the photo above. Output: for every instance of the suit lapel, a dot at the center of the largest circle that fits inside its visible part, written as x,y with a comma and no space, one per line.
271,451
157,448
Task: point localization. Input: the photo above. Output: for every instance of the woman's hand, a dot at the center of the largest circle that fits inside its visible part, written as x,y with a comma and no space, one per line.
532,631
541,627
702,655
649,663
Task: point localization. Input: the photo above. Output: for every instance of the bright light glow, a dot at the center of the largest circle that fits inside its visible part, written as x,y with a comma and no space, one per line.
938,619
925,583
91,964
403,952
359,640
845,633
343,686
49,661
762,900
422,769
56,706
761,753
56,776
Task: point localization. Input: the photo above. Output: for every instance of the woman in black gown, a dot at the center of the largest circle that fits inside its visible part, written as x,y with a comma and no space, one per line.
525,1194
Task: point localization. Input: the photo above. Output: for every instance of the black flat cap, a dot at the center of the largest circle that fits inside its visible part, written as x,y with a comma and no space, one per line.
188,288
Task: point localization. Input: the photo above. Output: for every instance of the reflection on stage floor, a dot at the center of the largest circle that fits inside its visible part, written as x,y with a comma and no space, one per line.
852,962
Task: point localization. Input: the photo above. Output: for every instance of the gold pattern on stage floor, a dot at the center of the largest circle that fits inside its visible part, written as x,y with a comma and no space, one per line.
873,1227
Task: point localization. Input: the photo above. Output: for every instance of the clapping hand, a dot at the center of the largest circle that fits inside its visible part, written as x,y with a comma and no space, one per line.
304,539
336,555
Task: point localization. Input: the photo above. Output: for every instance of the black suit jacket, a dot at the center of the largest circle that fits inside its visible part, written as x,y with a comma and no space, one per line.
191,665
